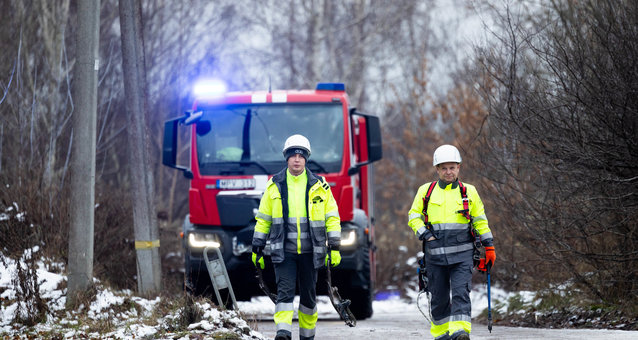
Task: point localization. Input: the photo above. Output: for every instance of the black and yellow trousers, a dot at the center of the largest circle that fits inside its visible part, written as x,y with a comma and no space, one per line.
450,317
296,268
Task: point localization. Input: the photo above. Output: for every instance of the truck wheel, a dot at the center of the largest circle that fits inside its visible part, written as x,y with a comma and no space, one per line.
361,297
361,306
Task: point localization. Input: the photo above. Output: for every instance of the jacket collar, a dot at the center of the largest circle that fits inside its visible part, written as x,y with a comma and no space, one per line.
443,184
280,177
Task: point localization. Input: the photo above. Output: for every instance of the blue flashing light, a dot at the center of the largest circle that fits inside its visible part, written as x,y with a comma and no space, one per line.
209,88
341,87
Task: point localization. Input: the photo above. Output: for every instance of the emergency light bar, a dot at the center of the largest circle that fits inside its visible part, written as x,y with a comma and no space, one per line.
341,87
209,88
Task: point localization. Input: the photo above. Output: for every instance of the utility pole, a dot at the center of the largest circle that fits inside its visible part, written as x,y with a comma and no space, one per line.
80,266
144,217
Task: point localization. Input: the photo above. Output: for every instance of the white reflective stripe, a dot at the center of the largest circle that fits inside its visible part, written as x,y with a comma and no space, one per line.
306,310
450,226
421,231
293,220
318,250
415,215
486,236
317,224
282,326
334,234
308,333
293,235
480,218
278,245
460,317
284,307
260,235
332,214
450,250
278,220
258,97
264,216
441,321
279,97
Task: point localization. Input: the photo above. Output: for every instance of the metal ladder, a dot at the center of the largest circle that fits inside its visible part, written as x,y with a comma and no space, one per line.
219,276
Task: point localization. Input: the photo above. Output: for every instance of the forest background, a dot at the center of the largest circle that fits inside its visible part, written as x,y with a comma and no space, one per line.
540,97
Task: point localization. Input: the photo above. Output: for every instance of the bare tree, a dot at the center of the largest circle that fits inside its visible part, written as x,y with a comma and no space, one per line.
561,89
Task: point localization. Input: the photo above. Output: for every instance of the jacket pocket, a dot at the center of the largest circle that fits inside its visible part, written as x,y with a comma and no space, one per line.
317,204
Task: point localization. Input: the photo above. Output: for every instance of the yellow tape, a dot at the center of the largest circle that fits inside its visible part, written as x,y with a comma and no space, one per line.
147,244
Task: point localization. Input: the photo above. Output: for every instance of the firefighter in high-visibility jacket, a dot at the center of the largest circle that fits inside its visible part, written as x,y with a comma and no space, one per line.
297,213
449,247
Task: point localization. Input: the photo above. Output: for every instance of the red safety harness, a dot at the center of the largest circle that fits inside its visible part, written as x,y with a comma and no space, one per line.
465,212
426,200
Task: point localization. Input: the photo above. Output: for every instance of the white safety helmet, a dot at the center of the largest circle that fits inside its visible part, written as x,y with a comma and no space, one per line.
446,153
296,144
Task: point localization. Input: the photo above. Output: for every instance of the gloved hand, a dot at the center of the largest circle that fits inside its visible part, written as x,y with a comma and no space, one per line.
335,258
490,256
258,257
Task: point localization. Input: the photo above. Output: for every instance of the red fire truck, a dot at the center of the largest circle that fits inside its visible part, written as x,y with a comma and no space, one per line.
236,146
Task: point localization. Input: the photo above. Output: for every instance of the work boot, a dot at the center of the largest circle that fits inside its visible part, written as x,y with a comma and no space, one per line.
463,336
283,335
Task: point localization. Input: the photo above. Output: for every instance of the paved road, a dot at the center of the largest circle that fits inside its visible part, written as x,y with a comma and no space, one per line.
408,323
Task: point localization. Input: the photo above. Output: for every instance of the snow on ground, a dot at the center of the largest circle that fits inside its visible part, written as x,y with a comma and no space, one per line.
125,316
128,322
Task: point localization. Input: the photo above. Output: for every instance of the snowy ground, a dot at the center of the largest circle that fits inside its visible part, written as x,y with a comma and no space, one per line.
121,315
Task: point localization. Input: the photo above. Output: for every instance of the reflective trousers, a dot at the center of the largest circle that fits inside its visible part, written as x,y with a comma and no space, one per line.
296,268
450,317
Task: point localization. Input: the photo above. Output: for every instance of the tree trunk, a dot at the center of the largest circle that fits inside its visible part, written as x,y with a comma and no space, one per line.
144,217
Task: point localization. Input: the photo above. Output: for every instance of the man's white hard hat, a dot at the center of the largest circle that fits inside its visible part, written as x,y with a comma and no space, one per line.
446,153
297,142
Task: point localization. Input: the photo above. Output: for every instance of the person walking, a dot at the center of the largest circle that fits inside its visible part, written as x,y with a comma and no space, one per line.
447,215
297,213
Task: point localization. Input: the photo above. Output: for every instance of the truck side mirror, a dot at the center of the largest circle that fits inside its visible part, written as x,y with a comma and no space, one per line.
169,147
375,149
373,136
202,127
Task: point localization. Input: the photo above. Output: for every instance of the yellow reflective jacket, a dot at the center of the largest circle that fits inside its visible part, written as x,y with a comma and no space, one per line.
273,221
451,229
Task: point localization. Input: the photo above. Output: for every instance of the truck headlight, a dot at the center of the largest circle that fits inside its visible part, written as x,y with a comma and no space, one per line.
348,238
201,240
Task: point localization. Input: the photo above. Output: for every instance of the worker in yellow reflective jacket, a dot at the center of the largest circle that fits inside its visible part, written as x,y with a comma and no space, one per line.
297,213
452,218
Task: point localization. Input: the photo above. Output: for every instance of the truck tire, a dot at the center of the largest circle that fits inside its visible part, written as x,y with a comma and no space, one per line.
361,297
361,306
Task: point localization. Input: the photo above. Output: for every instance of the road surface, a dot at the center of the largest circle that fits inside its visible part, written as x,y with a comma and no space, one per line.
404,321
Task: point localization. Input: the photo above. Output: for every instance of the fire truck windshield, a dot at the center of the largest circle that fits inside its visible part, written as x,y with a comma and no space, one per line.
248,138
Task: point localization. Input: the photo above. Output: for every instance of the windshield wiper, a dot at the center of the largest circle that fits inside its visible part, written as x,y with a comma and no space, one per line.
317,165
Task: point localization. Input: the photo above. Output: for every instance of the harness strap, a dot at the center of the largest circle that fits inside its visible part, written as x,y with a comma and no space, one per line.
475,235
466,203
426,200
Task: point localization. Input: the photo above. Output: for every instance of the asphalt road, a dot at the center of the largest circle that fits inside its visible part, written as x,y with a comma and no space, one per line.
410,324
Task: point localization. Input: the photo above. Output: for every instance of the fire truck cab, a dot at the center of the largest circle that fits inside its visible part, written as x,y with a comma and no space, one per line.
236,146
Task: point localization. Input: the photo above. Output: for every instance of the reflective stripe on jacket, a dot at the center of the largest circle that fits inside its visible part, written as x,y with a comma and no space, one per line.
451,229
321,208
